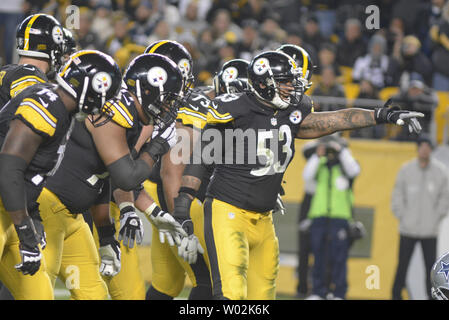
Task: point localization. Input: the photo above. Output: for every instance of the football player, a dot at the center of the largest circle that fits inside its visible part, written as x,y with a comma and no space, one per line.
232,78
168,268
98,160
439,277
241,243
40,45
34,129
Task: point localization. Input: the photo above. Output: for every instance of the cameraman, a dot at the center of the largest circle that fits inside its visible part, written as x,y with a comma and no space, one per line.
333,169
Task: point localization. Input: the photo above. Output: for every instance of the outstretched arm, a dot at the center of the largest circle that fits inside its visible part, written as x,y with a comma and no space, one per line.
318,124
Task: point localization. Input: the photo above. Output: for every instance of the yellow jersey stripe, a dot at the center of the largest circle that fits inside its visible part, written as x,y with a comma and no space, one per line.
157,46
199,114
22,86
34,117
218,115
44,110
27,31
193,121
17,82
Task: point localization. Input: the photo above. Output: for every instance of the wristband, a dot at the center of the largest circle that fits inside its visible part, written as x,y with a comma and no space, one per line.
152,210
126,207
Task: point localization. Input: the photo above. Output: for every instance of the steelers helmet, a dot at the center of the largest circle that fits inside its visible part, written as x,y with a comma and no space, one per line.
267,71
70,45
439,278
232,78
157,83
41,36
303,62
179,55
91,77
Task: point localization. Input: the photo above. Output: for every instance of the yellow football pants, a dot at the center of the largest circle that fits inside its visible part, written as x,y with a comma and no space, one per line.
71,253
128,284
22,287
169,269
243,251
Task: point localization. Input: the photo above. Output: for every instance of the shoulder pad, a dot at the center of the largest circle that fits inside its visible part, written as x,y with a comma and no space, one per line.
121,108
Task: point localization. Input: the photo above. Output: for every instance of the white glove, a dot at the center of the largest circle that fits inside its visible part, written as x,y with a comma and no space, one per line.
305,225
189,248
110,259
279,207
169,134
167,226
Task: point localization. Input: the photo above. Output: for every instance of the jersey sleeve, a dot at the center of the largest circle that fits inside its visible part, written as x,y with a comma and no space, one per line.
219,113
37,114
121,114
192,118
24,78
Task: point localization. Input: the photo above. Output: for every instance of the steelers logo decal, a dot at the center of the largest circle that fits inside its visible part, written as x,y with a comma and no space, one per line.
229,74
295,117
101,82
184,66
57,34
261,66
157,76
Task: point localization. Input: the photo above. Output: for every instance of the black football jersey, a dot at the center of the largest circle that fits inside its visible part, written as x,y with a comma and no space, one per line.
82,175
41,109
258,145
192,113
14,78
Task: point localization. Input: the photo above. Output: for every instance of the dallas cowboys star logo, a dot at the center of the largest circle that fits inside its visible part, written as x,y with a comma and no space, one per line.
444,269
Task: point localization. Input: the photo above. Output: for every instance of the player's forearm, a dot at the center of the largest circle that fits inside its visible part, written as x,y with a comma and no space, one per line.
319,124
100,215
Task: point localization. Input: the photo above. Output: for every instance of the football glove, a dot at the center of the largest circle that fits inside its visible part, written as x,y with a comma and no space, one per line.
279,206
131,227
40,232
109,250
160,142
169,229
190,245
29,247
189,248
394,114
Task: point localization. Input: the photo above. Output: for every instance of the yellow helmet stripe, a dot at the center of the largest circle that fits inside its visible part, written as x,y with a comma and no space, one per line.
157,46
27,31
78,54
305,63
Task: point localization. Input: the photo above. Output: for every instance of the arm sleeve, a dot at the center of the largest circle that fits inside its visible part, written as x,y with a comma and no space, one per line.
128,174
12,183
398,196
311,168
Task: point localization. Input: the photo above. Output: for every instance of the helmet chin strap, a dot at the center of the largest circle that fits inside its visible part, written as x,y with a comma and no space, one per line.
83,93
138,92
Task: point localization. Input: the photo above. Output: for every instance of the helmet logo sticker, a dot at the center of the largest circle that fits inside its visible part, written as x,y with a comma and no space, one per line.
57,34
184,66
295,117
230,74
157,76
445,270
261,66
101,82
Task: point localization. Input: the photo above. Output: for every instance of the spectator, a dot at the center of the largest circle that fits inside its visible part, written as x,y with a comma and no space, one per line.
102,24
329,87
191,23
293,37
311,33
272,34
420,200
369,93
327,57
440,36
87,38
251,41
121,37
374,65
408,63
352,45
333,169
10,15
417,97
144,23
394,35
223,30
202,8
161,31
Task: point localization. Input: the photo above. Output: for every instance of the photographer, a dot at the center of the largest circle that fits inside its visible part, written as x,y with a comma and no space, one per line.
333,169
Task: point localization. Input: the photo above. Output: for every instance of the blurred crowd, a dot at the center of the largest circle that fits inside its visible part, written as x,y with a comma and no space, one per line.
410,50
